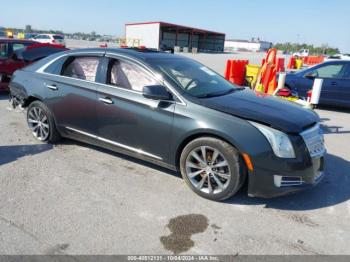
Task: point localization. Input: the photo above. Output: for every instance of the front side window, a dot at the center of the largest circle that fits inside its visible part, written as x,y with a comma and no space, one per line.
84,68
193,77
3,50
327,71
128,75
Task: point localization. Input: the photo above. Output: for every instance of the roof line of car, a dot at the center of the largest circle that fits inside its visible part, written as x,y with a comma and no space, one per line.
41,70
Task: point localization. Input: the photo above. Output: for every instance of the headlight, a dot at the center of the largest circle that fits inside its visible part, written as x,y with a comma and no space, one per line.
279,141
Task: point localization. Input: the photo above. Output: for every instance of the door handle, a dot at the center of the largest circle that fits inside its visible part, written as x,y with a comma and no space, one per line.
334,83
52,87
106,100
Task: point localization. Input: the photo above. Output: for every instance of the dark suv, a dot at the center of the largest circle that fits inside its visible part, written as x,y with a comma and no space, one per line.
177,113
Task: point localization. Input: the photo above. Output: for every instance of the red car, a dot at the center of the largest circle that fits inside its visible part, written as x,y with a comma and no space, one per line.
17,53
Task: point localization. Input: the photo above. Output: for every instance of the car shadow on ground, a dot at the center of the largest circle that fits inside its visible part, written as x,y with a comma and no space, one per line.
332,190
332,129
12,153
141,162
334,109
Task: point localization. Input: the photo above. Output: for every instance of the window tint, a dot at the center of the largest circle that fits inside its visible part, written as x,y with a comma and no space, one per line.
42,37
3,50
82,68
128,75
17,46
328,71
58,37
347,72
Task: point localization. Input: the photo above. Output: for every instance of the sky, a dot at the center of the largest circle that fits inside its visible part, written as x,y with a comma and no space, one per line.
311,21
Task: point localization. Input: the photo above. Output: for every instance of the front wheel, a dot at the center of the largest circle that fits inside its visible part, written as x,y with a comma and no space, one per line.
41,122
211,168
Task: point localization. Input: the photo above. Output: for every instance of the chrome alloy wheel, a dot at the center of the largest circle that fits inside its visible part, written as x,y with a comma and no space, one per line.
208,170
38,122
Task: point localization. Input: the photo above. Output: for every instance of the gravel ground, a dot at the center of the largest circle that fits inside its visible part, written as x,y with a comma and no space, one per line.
72,198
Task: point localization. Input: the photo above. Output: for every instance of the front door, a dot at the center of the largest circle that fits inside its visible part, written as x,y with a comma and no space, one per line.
127,119
330,73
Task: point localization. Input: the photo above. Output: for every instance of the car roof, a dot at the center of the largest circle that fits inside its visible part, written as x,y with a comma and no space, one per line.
337,61
137,53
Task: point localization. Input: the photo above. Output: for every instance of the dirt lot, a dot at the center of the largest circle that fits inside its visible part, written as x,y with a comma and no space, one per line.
72,198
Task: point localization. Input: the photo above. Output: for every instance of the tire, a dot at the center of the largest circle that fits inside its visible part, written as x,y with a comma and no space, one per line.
225,167
41,123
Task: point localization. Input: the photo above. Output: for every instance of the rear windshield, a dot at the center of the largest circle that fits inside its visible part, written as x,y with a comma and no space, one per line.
58,37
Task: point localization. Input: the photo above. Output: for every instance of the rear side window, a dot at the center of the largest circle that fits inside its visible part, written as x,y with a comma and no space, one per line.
128,75
84,68
3,50
58,37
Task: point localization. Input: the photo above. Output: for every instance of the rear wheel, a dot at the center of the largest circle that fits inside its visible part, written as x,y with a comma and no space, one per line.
211,168
41,122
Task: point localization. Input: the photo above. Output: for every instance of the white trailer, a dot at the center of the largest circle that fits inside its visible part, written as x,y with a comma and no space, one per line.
163,36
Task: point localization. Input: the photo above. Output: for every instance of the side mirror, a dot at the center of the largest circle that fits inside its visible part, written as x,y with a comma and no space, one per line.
156,92
310,76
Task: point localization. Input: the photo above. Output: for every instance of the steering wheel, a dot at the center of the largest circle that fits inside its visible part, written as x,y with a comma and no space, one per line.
187,87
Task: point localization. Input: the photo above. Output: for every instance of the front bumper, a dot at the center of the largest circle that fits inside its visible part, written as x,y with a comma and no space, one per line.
268,183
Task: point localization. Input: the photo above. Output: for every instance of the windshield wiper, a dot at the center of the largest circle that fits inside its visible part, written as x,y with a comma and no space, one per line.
221,93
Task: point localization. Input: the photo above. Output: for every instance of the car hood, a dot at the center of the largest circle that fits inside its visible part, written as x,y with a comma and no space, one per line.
283,115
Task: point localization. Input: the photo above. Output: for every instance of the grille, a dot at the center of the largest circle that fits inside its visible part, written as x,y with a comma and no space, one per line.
314,141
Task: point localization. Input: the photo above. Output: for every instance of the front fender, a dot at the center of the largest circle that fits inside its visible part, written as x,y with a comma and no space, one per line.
190,123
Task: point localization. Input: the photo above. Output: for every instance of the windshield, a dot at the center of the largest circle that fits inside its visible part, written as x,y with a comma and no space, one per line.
194,78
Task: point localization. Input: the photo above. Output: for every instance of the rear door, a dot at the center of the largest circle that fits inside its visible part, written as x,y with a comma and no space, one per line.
128,120
71,92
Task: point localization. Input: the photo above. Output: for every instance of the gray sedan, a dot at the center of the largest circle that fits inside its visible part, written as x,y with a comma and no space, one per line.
177,113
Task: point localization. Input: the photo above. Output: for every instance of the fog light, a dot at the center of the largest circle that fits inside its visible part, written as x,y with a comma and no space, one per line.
285,181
